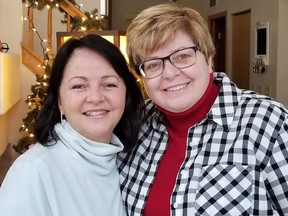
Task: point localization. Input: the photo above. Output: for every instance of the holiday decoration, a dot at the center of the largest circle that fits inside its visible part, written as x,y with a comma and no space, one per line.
92,23
34,102
41,4
36,99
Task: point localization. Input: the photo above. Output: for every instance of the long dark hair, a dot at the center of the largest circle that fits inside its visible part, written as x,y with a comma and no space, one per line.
128,126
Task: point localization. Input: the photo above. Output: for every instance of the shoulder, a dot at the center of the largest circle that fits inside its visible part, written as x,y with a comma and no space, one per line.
35,158
263,104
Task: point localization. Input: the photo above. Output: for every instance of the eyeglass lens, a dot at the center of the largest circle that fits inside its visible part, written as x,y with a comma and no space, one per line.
180,59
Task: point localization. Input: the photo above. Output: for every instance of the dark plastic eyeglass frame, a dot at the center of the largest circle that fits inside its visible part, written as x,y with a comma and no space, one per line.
195,48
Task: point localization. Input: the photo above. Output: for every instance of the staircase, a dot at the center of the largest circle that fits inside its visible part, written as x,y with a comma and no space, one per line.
30,58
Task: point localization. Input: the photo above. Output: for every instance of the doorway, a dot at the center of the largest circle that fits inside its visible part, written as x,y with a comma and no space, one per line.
217,25
241,49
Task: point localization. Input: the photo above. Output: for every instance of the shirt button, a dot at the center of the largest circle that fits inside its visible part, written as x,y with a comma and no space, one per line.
175,205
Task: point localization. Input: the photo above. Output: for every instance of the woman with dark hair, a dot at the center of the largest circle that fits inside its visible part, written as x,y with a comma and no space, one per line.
91,112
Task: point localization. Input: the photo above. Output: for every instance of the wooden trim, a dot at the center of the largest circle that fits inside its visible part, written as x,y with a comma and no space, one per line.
32,60
49,29
72,10
60,35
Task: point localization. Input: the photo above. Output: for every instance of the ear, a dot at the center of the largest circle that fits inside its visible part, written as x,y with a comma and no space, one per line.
210,64
60,106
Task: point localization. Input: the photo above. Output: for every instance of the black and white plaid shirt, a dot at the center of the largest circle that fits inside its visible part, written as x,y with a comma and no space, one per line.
236,159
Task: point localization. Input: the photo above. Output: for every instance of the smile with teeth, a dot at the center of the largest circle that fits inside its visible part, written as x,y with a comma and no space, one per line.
95,113
177,88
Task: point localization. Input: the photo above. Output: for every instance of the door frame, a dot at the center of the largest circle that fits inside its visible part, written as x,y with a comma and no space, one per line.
221,54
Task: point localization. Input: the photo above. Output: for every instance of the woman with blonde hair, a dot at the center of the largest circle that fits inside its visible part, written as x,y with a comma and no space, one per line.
206,147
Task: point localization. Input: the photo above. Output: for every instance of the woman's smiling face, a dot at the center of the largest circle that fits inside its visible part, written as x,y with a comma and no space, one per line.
177,90
92,95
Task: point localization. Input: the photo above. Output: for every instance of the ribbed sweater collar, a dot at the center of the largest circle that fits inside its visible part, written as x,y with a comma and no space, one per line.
100,156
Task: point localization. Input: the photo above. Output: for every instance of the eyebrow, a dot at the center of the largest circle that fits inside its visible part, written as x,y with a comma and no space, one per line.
175,50
102,78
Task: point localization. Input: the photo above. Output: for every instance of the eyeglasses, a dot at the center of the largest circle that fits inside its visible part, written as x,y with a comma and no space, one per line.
180,59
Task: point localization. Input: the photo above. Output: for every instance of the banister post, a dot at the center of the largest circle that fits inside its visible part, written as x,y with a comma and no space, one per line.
30,29
49,30
68,22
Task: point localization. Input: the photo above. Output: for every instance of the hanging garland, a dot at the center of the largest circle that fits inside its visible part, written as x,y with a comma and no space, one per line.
41,4
93,21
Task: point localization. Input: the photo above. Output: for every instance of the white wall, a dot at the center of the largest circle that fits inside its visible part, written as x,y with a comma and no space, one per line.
11,33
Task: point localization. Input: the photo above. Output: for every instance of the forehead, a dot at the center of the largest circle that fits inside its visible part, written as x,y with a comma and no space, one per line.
86,61
180,40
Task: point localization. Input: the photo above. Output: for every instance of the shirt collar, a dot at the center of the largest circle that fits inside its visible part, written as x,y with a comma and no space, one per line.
223,109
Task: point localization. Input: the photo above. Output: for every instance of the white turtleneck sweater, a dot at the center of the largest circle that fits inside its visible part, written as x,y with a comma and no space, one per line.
74,177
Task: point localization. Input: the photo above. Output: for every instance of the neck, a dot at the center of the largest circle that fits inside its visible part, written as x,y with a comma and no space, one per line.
182,121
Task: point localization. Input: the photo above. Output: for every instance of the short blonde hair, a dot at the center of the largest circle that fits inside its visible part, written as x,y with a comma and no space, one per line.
156,25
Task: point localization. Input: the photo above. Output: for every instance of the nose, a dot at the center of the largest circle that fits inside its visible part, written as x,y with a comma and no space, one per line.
169,70
95,95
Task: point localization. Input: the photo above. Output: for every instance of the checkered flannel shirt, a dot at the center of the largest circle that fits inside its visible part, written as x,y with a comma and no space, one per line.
236,159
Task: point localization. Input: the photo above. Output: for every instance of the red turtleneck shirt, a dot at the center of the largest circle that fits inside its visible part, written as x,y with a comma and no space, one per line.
178,124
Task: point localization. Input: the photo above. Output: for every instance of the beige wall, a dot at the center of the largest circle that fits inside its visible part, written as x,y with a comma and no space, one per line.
11,28
11,33
282,49
124,10
272,11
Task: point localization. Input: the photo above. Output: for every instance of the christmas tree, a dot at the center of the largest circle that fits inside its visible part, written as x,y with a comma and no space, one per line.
34,102
38,91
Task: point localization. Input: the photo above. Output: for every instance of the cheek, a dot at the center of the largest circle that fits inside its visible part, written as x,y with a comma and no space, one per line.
118,99
151,84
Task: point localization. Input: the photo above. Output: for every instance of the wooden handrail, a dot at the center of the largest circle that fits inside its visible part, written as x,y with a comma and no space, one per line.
32,60
72,10
29,57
